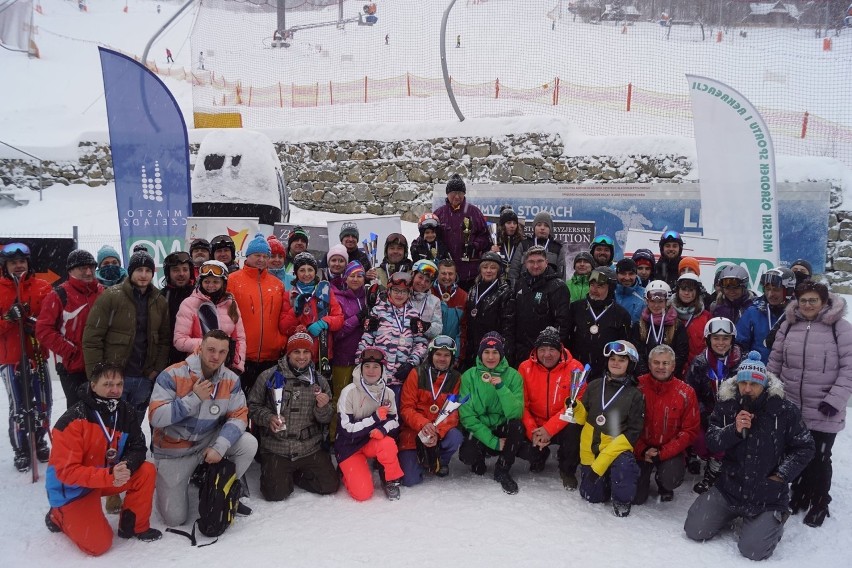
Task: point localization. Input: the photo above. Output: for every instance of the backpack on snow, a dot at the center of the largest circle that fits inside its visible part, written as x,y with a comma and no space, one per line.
218,498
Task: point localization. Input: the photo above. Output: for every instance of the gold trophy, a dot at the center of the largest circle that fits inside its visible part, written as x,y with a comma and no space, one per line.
466,232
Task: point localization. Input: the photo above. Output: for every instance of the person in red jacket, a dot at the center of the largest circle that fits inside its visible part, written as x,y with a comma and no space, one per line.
671,425
547,385
62,320
99,450
21,297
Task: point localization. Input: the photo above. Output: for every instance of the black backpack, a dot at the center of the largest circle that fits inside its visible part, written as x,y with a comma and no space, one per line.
218,498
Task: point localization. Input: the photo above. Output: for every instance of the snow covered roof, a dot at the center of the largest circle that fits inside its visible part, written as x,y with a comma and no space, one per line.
766,8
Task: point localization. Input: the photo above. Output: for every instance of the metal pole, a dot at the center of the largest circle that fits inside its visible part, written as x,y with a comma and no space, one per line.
75,234
446,72
161,30
281,22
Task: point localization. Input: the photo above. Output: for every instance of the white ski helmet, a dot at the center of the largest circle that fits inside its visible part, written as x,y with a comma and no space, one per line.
658,288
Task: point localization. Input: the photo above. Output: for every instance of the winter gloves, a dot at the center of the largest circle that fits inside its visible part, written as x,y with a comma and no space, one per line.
827,409
418,326
317,328
17,311
382,412
402,372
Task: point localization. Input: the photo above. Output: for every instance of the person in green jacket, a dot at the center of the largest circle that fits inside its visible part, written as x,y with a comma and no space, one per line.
578,284
492,416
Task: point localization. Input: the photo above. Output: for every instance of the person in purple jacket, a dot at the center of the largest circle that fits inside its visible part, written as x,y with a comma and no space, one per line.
465,231
353,302
812,354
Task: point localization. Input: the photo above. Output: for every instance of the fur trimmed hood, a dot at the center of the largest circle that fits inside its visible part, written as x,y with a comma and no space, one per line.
831,313
774,387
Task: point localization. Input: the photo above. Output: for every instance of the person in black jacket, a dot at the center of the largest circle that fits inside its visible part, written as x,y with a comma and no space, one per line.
539,299
179,284
596,320
486,304
671,251
766,445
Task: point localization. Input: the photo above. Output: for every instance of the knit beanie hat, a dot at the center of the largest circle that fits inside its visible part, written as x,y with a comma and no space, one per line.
456,183
107,251
275,246
79,258
353,267
258,245
805,263
140,248
300,339
336,250
752,370
302,259
690,263
492,340
140,260
549,337
543,217
644,257
583,255
297,234
625,265
507,214
349,229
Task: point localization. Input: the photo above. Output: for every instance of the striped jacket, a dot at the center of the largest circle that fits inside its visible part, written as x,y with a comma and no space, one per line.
356,409
395,337
78,461
183,423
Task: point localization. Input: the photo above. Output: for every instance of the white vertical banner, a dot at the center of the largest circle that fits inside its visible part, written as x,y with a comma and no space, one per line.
736,163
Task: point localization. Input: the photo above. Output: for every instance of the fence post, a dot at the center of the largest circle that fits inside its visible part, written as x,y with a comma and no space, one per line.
330,94
629,95
250,93
365,89
316,94
280,96
497,88
292,95
556,91
408,83
805,124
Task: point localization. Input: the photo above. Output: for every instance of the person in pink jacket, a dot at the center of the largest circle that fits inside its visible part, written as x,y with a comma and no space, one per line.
210,306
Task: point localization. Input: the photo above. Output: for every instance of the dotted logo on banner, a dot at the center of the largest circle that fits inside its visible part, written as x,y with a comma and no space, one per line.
152,188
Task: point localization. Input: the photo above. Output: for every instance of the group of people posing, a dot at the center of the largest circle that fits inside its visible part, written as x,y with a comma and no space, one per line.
460,344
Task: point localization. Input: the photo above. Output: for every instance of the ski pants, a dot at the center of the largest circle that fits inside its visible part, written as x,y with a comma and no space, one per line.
814,482
473,451
568,454
83,519
173,477
410,462
759,535
137,393
669,475
71,382
41,400
618,482
280,475
341,375
357,475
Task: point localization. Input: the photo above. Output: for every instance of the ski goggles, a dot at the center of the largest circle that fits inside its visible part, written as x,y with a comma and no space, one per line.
402,279
730,284
657,295
221,241
443,342
426,268
396,239
671,236
177,258
619,348
13,249
212,270
598,277
603,240
373,355
718,326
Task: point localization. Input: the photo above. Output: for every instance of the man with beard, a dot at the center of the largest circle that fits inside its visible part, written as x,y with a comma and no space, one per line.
766,312
180,282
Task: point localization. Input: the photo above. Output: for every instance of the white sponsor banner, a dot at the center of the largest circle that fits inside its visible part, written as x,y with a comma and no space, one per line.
736,162
702,249
240,229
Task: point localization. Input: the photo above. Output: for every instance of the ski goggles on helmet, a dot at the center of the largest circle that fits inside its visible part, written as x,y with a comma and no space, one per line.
603,240
373,355
621,348
400,279
15,249
396,239
730,284
598,277
721,326
213,269
657,295
426,268
176,258
221,241
443,342
670,236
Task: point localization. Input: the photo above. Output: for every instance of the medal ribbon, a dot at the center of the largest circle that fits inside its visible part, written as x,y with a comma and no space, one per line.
379,401
657,335
109,436
597,316
399,319
480,296
432,384
605,405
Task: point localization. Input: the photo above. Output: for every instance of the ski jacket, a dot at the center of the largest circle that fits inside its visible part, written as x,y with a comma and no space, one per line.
778,443
545,392
535,304
724,308
674,335
322,305
632,299
33,292
265,311
78,460
693,318
814,361
303,418
578,286
419,395
183,423
189,330
428,307
110,333
754,326
706,374
395,337
60,325
587,347
435,251
452,229
347,337
174,298
625,418
490,311
671,417
453,317
356,414
555,257
490,406
666,269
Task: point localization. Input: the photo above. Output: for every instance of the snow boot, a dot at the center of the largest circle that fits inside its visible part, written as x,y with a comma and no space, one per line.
42,451
506,482
113,504
443,470
479,468
711,474
126,524
799,502
51,526
537,465
22,460
666,496
569,480
620,509
693,462
392,489
243,510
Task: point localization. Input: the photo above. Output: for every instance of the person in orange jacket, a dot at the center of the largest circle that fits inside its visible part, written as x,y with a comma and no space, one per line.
265,311
671,425
21,297
547,385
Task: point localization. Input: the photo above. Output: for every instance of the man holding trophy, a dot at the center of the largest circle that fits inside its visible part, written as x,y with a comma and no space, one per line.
553,380
430,434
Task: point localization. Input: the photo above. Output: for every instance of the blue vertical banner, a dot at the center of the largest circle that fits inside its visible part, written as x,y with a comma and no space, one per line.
150,157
